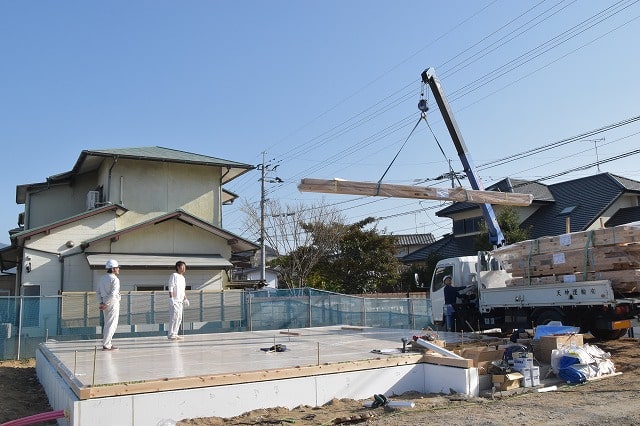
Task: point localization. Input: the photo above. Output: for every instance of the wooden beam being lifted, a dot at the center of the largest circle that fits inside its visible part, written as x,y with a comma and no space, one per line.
336,186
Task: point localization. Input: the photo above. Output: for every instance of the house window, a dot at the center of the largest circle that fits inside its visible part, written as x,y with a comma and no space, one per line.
438,276
240,275
467,226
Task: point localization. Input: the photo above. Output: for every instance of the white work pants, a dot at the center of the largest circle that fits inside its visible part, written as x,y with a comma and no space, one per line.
111,315
175,318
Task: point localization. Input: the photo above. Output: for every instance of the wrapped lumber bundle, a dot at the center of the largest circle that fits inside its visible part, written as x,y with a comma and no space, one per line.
602,254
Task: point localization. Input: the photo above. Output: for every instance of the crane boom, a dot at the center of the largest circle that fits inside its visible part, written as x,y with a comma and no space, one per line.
496,236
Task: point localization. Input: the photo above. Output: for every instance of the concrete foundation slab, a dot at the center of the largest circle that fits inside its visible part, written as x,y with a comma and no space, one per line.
150,380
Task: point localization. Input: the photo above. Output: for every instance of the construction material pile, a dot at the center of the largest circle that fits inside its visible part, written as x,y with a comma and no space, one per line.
601,254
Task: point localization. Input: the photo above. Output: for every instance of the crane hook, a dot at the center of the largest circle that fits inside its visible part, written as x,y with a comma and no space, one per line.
422,105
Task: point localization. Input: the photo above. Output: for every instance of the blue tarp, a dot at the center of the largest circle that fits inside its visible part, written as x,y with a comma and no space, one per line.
572,374
566,361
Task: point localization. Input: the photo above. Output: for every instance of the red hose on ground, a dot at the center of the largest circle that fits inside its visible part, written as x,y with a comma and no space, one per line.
36,418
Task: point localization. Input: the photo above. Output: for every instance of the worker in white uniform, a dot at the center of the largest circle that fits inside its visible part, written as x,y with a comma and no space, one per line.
108,294
177,300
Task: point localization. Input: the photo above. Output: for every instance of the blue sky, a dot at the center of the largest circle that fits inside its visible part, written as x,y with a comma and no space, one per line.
327,89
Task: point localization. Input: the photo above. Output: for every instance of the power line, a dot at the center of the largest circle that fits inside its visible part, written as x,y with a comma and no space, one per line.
402,95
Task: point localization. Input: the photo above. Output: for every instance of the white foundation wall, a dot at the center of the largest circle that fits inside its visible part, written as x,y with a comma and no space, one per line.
231,400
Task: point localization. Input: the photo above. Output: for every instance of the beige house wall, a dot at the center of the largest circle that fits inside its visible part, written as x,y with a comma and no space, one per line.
138,280
51,262
171,236
87,228
146,187
44,270
77,274
45,255
59,201
161,187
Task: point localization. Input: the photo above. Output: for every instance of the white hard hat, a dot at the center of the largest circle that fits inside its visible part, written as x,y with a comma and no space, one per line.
111,264
446,277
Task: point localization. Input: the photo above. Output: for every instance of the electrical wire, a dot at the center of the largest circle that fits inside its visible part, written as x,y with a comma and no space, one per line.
329,135
356,124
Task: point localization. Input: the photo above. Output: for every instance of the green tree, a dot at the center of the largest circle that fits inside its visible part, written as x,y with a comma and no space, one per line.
363,262
509,221
424,272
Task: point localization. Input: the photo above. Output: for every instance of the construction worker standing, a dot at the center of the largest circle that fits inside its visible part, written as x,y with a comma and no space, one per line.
177,299
108,294
450,299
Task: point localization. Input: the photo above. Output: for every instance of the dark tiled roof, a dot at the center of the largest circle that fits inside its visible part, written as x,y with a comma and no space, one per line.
586,199
622,216
447,246
413,239
540,192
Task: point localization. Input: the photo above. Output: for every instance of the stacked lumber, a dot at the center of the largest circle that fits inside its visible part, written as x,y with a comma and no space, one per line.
339,186
601,254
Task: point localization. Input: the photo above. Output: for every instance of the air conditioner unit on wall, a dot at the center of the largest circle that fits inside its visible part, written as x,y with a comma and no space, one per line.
93,198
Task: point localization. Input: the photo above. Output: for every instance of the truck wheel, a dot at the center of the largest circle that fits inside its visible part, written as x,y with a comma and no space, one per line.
608,334
545,317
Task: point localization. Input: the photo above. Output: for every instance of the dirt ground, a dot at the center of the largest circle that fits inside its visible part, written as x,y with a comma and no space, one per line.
611,400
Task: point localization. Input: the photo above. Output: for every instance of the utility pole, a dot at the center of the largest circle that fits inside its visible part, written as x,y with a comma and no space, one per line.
264,168
263,258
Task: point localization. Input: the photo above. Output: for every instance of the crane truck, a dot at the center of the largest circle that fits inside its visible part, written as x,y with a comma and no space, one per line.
491,300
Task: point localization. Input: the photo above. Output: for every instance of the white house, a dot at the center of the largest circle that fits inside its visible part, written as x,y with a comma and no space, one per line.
145,207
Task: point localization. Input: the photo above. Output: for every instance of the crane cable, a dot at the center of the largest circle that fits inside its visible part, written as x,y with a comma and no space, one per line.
451,172
396,156
423,107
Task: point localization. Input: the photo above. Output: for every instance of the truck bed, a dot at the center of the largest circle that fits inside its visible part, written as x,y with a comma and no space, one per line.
558,294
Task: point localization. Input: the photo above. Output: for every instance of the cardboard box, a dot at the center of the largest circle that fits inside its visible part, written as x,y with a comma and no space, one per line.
506,381
481,353
549,343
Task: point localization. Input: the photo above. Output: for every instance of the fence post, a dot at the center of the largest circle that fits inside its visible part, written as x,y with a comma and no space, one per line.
222,310
152,314
20,325
131,326
247,297
309,309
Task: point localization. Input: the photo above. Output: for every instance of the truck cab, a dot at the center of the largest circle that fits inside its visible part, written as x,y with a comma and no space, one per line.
463,273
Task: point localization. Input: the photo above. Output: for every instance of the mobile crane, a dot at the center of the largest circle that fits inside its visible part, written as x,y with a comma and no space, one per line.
490,301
